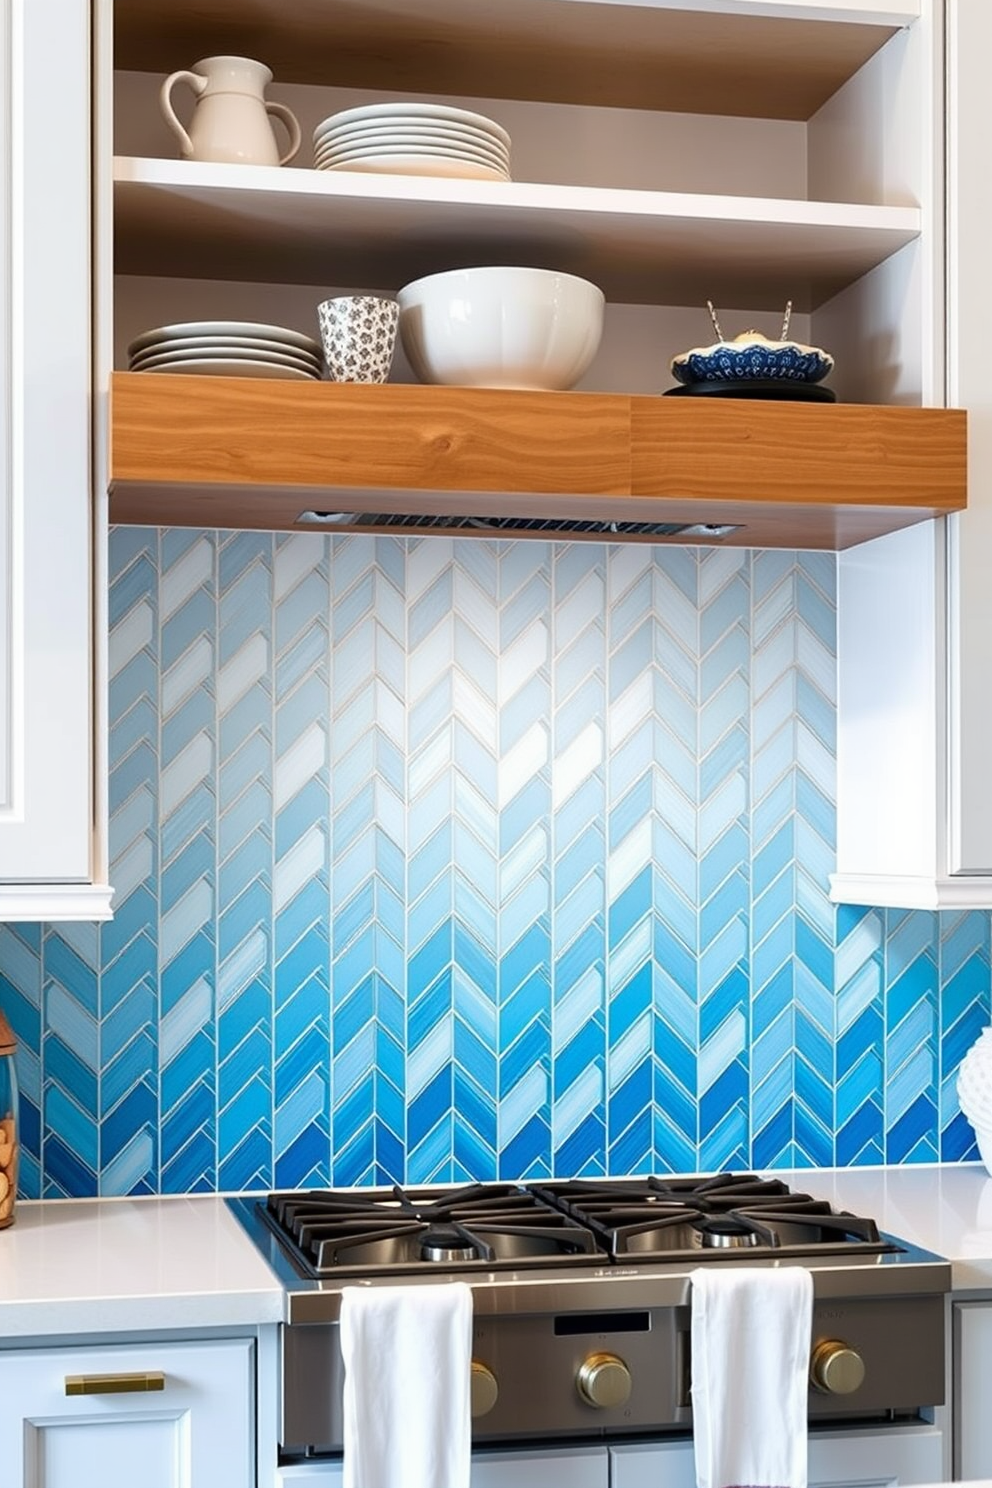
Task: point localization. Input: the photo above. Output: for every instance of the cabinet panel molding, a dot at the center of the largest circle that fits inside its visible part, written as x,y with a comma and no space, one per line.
48,829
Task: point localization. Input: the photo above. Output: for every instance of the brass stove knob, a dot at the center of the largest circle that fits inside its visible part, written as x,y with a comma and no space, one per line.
604,1380
836,1369
484,1389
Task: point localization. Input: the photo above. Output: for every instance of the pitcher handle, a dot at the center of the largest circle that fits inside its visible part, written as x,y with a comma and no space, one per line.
292,125
197,82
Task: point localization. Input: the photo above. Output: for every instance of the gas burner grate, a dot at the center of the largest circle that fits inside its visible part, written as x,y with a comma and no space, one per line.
662,1219
490,1226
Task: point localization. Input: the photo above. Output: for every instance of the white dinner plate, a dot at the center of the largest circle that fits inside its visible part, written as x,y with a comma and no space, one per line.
411,144
415,110
328,157
232,367
428,137
240,328
426,127
419,165
152,364
194,354
225,346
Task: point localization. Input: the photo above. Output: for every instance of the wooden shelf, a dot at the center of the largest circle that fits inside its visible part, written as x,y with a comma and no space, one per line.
259,223
247,453
740,57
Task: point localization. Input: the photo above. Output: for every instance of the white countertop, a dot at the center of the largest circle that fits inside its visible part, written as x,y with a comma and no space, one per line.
72,1266
946,1209
109,1265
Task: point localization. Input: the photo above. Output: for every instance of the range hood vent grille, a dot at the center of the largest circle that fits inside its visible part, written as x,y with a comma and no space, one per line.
514,526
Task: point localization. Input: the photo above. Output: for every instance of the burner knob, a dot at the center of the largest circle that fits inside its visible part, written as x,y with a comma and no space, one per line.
604,1380
484,1389
836,1369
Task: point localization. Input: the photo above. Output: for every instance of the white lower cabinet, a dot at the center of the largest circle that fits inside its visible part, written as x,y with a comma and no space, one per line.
193,1428
837,1459
972,1418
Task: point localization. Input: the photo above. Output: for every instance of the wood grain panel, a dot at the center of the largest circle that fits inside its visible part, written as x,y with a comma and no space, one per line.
823,454
236,452
329,436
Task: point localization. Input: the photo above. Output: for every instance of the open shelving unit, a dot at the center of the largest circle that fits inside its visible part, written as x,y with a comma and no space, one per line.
673,153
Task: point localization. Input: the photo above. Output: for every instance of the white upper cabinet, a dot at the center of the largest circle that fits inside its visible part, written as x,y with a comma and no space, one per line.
915,641
51,862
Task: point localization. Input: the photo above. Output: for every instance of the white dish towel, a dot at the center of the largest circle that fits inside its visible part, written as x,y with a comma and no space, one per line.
407,1361
751,1328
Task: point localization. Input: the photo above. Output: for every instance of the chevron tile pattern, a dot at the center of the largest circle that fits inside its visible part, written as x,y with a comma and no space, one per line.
244,773
794,1014
578,860
132,1040
301,864
524,882
452,862
446,860
368,830
187,830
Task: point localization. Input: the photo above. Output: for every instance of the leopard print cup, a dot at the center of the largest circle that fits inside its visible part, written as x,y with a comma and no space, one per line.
359,336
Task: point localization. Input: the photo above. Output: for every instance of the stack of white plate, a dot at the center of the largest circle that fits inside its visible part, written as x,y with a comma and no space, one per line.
413,139
227,348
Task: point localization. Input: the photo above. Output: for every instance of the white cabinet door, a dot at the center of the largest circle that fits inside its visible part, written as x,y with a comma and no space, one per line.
843,1459
972,1367
969,217
914,825
196,1430
47,531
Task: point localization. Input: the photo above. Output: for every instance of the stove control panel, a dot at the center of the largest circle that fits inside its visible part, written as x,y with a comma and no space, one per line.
835,1368
603,1381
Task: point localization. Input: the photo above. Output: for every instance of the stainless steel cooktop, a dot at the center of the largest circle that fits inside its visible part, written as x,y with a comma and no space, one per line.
571,1245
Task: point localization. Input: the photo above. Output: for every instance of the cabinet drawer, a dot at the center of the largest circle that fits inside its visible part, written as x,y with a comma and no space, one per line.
167,1415
581,1467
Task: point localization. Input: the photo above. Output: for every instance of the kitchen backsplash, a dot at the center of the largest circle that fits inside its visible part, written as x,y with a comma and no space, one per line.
445,860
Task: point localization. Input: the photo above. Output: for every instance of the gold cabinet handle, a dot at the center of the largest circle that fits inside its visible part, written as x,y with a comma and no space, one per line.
114,1384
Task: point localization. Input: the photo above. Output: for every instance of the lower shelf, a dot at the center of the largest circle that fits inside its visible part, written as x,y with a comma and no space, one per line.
247,453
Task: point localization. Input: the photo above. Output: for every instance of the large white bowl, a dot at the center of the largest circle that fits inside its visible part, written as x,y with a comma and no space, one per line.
501,327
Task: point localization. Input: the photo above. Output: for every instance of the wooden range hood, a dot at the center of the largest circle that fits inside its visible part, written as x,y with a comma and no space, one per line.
246,453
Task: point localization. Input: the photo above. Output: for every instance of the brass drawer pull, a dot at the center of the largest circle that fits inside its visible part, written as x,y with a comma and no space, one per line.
114,1384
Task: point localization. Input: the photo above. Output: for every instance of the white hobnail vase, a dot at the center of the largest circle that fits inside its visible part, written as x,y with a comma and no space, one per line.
974,1087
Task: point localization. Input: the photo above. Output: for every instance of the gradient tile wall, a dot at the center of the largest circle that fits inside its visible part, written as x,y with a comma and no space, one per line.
440,860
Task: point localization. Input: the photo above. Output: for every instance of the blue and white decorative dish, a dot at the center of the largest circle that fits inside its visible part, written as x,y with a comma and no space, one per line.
752,355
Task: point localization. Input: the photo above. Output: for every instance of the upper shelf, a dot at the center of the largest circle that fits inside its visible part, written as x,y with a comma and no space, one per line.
759,58
241,453
643,247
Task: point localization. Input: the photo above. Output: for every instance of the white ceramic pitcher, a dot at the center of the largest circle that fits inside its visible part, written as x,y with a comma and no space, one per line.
231,118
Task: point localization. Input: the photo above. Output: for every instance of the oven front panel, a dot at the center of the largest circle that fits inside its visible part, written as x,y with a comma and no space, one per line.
537,1363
